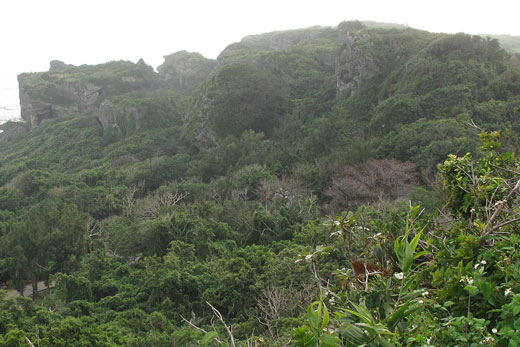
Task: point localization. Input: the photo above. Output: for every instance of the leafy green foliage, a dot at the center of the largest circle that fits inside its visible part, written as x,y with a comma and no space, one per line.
225,191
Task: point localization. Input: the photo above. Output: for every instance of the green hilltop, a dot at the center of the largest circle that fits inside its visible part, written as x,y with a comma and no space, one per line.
227,201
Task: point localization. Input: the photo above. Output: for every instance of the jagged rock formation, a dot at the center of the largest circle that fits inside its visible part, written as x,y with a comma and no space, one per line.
47,101
353,65
66,89
59,66
251,48
122,119
185,71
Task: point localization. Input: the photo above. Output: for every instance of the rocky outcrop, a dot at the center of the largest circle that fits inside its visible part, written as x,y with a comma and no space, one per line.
198,122
66,89
34,112
10,129
353,64
284,40
124,120
59,66
254,48
185,71
48,100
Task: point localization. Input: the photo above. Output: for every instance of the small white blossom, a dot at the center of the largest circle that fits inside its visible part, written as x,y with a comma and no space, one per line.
399,275
425,293
421,302
339,233
308,257
476,265
488,339
470,281
483,262
494,330
428,340
507,291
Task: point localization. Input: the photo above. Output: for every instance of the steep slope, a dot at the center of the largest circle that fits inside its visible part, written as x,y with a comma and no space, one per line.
146,195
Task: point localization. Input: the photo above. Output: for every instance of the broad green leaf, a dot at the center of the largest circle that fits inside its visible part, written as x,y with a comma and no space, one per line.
408,259
421,253
398,315
415,240
313,318
384,342
448,303
354,334
325,317
208,337
329,341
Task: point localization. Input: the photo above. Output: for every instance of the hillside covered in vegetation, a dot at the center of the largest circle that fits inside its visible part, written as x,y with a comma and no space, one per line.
345,186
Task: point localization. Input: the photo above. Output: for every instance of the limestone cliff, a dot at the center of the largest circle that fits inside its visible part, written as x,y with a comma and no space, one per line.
124,120
185,71
353,64
66,89
46,100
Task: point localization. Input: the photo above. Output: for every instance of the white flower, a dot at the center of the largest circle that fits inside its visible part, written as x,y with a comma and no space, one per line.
494,330
507,291
428,340
336,222
308,257
399,275
421,302
488,339
425,293
470,281
483,262
476,265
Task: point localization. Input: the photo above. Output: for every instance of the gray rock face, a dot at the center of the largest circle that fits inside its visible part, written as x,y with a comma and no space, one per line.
353,64
34,112
185,71
40,103
86,98
283,40
198,118
10,129
59,66
120,118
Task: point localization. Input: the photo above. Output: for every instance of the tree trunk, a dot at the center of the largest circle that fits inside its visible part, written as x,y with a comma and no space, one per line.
34,282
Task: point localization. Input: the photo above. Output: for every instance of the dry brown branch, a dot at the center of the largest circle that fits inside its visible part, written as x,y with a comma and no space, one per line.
221,319
489,226
200,329
150,205
29,341
369,182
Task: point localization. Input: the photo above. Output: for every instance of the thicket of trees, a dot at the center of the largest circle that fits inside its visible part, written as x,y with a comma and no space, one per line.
231,215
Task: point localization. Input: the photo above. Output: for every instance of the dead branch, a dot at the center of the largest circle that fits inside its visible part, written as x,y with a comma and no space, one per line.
29,341
200,329
489,226
221,319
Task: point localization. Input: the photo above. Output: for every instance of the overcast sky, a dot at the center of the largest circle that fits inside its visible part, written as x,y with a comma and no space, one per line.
33,32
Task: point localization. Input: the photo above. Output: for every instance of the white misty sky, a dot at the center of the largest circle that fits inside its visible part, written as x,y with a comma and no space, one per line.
33,32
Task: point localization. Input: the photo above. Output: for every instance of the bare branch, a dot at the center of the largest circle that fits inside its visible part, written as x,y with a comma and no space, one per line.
200,329
221,319
488,229
29,341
